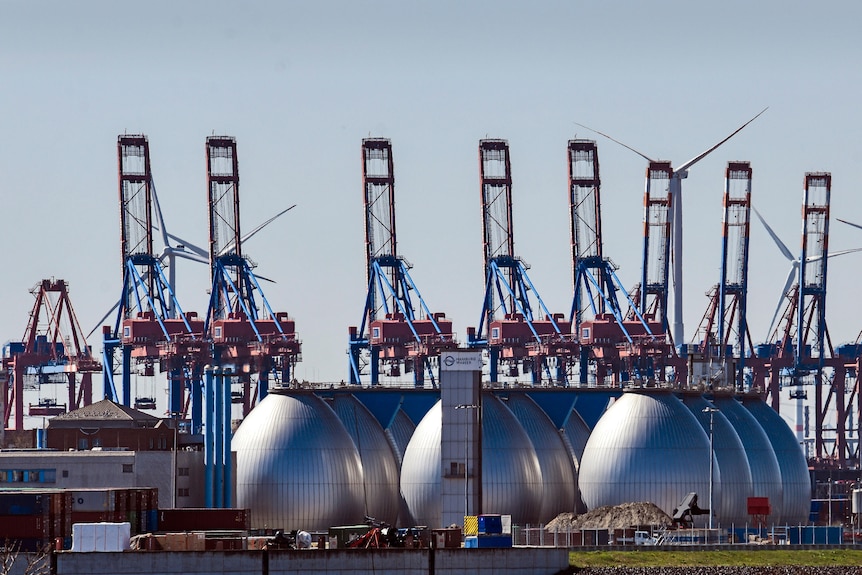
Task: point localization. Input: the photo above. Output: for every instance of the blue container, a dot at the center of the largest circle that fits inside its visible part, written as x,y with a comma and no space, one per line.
488,541
12,503
490,524
816,535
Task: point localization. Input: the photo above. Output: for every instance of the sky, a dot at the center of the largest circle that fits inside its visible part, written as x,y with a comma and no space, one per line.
300,84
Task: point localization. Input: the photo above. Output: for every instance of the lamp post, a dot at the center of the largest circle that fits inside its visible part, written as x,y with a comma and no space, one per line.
711,411
466,458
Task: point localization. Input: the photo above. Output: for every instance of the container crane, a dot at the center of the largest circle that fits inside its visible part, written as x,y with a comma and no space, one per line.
723,336
243,329
674,178
150,326
799,349
397,336
53,351
513,334
606,337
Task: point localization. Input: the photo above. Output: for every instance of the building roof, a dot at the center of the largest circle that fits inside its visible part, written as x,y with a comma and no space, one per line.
104,412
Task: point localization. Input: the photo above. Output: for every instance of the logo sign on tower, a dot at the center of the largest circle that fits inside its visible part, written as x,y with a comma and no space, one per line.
461,361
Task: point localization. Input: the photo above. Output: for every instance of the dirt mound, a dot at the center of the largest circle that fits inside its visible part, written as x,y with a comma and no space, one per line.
612,517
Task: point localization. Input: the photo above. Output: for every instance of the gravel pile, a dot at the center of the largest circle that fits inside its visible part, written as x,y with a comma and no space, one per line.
612,517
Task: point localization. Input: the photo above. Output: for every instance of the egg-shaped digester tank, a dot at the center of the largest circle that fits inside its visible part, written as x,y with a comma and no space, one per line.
795,480
511,477
765,473
558,472
736,483
297,467
380,470
576,433
648,447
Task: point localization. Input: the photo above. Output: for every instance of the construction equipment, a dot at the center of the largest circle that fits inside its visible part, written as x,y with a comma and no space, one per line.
683,514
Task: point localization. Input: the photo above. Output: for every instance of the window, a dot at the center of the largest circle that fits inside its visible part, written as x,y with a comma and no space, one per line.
585,333
183,492
28,475
375,333
127,331
495,333
183,471
128,468
83,444
65,473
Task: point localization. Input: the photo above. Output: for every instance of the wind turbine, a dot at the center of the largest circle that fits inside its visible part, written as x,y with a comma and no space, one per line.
185,250
793,272
169,254
679,174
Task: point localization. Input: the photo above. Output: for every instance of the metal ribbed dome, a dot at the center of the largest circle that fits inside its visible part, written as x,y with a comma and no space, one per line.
558,473
297,467
576,433
647,447
765,473
736,482
796,502
399,433
511,477
380,468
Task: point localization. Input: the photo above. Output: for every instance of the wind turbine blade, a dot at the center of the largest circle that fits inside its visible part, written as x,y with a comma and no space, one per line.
833,254
641,154
104,317
192,257
849,223
250,234
163,229
696,159
266,223
784,249
791,277
199,251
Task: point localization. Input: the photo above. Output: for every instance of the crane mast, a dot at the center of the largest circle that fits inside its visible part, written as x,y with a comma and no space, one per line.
247,336
514,335
723,334
398,337
657,241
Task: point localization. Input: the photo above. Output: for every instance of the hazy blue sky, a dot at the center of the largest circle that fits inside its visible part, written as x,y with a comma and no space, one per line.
300,84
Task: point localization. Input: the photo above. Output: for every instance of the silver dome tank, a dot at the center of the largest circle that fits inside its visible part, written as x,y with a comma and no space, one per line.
558,473
380,468
765,473
796,502
647,447
399,433
736,482
511,477
297,467
576,433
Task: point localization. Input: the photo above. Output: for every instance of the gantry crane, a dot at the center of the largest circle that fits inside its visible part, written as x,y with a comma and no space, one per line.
513,334
397,335
722,344
244,330
53,351
151,327
799,349
607,340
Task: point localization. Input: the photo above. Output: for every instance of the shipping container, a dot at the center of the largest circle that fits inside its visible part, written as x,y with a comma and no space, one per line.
21,503
17,526
202,519
89,500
